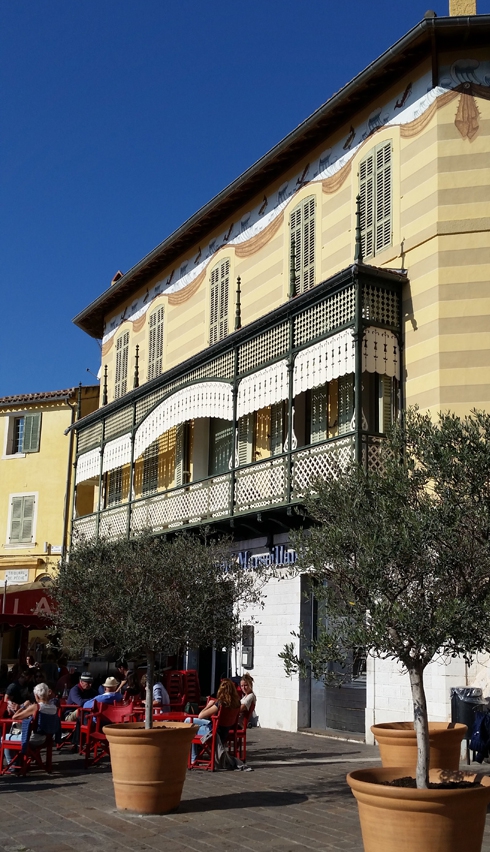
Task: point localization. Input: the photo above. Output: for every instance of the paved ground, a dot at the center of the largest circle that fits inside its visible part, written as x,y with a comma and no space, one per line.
296,798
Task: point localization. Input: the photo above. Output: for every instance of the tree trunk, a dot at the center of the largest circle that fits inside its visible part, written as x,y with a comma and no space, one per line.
421,725
150,676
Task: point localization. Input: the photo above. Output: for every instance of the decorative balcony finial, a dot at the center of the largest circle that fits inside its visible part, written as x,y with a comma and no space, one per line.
358,258
136,382
238,309
292,274
104,394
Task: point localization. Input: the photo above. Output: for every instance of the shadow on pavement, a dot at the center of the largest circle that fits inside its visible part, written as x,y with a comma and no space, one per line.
243,799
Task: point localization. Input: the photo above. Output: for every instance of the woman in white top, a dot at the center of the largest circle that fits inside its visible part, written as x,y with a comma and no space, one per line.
248,697
43,706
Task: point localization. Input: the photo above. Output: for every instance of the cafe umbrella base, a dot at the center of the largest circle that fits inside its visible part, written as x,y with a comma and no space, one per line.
405,818
149,766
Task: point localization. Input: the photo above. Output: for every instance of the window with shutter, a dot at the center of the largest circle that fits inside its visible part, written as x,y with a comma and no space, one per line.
150,468
122,354
346,403
245,439
114,487
220,446
277,428
155,343
385,403
179,454
219,305
262,434
22,519
375,190
318,417
302,245
32,433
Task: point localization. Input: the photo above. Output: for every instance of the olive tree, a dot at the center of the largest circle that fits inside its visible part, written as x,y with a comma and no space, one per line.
147,595
400,555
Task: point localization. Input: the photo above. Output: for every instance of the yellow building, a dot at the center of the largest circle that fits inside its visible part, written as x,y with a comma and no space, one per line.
284,325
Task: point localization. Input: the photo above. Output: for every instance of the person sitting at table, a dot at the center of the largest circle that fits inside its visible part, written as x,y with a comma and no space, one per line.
161,698
79,694
40,704
109,696
133,687
248,697
227,697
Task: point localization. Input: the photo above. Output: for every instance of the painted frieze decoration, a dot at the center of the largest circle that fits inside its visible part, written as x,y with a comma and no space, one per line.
410,110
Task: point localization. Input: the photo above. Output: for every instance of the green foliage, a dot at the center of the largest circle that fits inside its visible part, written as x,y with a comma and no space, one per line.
149,595
400,557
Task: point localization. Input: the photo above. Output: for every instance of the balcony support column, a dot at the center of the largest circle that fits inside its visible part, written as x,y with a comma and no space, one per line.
358,338
131,475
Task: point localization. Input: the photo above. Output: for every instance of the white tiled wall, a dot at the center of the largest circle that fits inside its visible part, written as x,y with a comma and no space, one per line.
277,695
389,697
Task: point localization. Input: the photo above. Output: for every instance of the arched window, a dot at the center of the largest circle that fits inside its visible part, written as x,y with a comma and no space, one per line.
155,343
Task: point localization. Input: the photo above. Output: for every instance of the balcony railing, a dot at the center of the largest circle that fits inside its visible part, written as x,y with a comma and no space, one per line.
256,487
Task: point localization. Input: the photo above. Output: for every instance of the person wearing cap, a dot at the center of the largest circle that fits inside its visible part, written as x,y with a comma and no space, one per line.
79,693
109,696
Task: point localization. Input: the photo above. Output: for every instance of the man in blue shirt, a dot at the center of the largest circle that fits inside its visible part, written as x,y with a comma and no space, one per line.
109,696
82,691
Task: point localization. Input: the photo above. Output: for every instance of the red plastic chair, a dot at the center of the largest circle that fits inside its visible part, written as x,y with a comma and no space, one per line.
192,687
206,752
67,728
96,745
176,689
240,738
32,755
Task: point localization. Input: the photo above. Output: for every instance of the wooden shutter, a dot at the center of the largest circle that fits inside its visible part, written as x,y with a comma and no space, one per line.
385,398
21,519
219,306
114,489
245,439
366,192
318,421
32,432
179,454
150,468
302,243
155,343
383,196
277,429
346,403
220,446
121,378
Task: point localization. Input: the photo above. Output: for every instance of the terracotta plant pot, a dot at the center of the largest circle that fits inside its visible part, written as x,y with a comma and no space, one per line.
398,744
149,767
400,818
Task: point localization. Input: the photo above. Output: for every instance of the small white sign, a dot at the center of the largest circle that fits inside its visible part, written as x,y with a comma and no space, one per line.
18,575
56,548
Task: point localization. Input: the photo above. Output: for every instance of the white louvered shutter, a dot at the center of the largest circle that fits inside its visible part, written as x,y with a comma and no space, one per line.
366,192
21,519
346,403
277,428
383,203
220,289
245,439
32,433
318,422
121,378
302,243
155,343
179,454
385,398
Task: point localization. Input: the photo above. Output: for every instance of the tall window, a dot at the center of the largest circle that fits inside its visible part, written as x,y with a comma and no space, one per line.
24,434
332,409
261,434
375,189
302,245
220,288
220,446
122,351
114,491
155,344
150,468
21,519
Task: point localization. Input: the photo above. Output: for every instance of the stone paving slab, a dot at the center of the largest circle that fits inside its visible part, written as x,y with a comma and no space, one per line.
296,798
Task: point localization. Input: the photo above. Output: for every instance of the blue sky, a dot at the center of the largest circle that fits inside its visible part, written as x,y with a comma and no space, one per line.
120,118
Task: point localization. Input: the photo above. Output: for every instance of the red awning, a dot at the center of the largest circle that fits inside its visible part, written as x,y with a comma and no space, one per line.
28,605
